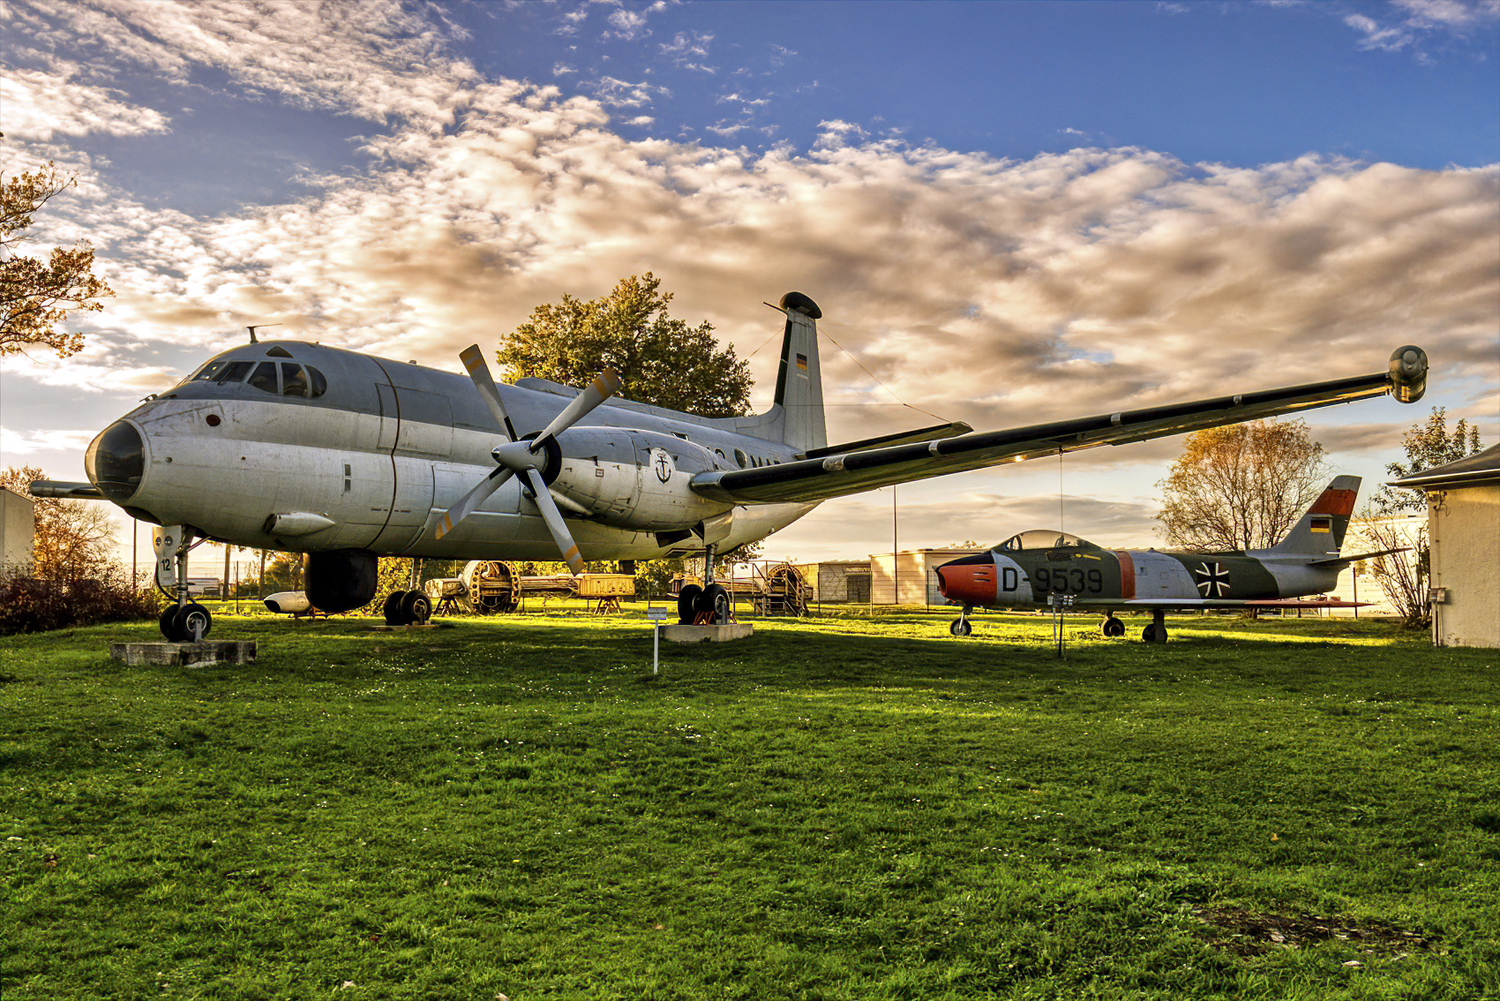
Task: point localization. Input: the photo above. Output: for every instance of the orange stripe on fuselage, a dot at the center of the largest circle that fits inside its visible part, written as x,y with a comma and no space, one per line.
1339,502
1127,574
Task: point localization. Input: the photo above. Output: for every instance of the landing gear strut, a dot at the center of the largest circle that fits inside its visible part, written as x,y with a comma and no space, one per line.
961,625
186,621
1156,632
708,605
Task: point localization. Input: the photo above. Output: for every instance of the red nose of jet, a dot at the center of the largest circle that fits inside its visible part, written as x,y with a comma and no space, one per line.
970,580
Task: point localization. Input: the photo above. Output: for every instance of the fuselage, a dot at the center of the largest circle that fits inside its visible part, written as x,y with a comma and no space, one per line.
1031,571
304,448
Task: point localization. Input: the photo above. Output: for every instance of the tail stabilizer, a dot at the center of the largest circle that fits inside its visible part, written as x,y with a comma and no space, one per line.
1320,532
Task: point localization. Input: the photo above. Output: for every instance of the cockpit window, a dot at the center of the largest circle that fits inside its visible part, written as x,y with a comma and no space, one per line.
264,377
235,371
317,382
1041,538
207,371
293,382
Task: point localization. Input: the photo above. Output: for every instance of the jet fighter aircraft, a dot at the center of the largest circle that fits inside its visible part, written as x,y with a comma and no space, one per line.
1039,568
344,456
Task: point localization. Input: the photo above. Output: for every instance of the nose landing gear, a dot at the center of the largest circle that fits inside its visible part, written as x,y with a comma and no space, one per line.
186,621
961,626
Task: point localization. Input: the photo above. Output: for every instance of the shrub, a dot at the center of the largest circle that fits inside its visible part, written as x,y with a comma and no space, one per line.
34,605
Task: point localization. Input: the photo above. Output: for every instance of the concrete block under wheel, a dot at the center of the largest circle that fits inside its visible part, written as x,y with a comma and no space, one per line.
707,634
206,653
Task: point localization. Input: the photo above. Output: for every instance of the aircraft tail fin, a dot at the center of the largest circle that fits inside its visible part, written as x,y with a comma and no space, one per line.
799,380
796,414
1320,532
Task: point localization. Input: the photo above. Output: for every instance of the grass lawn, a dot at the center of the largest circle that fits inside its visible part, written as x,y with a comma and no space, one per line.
844,807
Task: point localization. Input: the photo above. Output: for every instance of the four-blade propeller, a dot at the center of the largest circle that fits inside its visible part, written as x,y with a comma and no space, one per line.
525,457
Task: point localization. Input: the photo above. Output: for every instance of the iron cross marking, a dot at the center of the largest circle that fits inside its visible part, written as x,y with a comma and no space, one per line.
1213,580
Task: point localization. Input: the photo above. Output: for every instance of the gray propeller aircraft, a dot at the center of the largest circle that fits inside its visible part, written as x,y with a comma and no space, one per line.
344,456
1041,569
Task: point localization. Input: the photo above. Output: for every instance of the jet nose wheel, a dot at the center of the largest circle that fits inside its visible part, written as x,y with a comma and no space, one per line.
961,627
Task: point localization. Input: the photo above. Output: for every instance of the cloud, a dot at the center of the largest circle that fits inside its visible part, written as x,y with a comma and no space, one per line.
1000,292
1412,21
13,442
620,94
40,105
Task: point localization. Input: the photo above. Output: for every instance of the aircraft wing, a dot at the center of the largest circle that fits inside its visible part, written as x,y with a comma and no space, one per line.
819,478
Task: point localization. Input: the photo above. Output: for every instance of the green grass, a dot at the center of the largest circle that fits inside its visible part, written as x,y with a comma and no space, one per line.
847,807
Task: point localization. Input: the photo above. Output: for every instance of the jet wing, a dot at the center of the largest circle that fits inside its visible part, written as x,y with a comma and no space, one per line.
819,478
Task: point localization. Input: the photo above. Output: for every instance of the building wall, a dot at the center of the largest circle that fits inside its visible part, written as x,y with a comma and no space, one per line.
913,572
17,529
1464,525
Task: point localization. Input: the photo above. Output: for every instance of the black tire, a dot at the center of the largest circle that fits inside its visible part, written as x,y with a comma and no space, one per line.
961,627
416,608
1153,635
168,624
687,598
713,598
1113,627
193,615
392,608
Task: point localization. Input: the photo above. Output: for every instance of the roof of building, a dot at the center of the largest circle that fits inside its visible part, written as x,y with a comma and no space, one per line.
1473,470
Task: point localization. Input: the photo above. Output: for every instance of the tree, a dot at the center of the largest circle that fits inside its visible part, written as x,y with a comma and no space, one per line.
73,537
1403,575
1241,487
36,296
1427,446
662,361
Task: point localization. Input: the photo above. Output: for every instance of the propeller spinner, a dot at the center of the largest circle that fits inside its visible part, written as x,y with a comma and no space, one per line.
524,457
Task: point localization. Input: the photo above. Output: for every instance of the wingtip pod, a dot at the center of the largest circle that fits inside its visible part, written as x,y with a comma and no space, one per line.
1408,373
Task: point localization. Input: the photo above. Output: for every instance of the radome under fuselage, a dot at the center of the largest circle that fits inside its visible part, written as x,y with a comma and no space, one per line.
308,448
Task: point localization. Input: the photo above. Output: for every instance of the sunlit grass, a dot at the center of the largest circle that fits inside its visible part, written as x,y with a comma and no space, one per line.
842,807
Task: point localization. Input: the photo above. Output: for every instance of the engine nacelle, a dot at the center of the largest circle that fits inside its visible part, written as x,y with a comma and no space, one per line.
635,479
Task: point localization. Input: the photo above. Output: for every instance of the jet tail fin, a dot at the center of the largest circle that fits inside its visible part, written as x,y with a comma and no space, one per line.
1320,532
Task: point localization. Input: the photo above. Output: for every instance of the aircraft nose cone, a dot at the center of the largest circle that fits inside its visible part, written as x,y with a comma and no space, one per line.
970,580
115,461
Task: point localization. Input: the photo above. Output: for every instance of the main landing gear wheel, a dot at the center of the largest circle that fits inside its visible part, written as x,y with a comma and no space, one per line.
961,627
1113,627
406,608
687,601
416,608
712,599
1154,634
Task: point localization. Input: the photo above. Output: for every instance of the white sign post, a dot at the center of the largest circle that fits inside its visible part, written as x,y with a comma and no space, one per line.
656,615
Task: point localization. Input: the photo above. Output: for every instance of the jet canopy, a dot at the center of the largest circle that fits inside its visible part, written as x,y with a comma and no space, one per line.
1043,538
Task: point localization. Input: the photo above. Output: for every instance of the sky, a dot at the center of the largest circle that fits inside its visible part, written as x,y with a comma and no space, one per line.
1008,212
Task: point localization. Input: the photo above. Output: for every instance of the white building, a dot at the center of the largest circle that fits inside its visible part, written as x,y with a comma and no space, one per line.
1463,528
